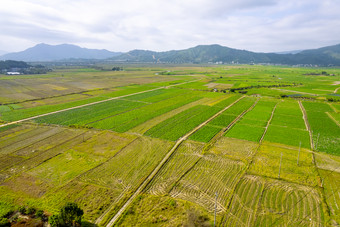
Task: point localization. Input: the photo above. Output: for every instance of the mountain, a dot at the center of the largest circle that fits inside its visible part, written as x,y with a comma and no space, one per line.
45,52
216,53
198,54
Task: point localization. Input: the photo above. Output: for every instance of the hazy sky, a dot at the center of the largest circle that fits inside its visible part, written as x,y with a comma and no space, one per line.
255,25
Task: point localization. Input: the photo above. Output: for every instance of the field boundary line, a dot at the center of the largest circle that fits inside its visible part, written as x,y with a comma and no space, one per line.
231,124
307,125
38,141
331,117
336,90
145,183
305,195
92,103
335,110
268,123
300,92
36,156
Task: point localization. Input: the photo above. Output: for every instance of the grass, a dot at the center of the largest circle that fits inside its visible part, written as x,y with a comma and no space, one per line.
267,161
122,172
235,149
149,210
65,167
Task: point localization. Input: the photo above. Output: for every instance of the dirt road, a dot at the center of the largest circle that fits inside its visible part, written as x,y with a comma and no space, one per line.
159,166
92,103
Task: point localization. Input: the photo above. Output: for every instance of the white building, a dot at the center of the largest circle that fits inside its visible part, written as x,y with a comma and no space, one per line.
12,73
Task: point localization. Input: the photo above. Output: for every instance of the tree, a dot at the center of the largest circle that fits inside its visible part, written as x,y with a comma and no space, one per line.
54,220
71,214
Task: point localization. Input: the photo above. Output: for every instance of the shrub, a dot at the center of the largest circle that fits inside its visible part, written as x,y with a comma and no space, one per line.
31,210
22,210
40,214
70,215
4,222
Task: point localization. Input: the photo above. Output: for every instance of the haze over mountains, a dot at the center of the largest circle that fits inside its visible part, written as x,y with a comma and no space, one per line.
45,52
325,56
2,52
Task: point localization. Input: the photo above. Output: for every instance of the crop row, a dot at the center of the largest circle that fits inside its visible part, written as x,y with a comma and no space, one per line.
296,166
212,174
18,114
251,126
39,148
288,126
157,95
271,203
34,111
331,186
207,132
242,209
130,119
83,115
290,108
183,159
326,133
289,205
180,124
124,172
240,106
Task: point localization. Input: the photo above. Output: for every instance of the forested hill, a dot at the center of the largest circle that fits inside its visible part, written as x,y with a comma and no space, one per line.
215,53
9,64
45,52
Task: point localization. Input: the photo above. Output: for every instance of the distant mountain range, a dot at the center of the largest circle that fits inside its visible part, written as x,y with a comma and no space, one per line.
45,52
215,53
325,56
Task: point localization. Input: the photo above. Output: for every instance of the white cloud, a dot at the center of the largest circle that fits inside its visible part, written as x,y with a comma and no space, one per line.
263,25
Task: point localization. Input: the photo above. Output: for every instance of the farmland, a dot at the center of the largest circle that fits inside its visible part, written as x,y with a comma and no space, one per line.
145,148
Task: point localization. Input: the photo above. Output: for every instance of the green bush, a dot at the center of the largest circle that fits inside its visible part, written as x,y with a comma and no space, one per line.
31,210
22,210
4,222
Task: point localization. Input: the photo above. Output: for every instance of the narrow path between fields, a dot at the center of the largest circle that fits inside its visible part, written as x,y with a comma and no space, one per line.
331,117
292,91
213,141
224,130
160,165
268,123
336,90
307,125
92,103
